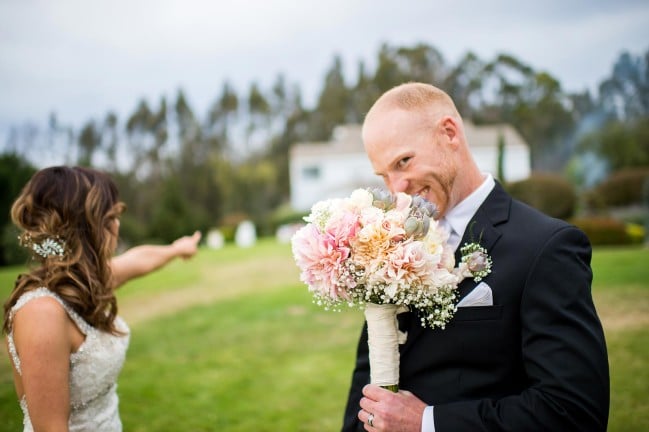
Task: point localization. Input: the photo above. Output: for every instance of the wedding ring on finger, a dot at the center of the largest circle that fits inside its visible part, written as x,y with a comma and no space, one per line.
370,420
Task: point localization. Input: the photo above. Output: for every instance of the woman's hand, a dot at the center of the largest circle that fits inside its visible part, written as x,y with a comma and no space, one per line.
141,260
187,246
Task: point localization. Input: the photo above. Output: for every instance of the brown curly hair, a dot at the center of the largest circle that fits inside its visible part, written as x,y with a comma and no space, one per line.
79,206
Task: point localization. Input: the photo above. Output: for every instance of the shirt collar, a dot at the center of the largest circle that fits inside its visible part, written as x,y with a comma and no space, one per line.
459,216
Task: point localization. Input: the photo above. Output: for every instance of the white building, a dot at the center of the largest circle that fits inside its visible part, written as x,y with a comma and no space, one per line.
483,142
334,169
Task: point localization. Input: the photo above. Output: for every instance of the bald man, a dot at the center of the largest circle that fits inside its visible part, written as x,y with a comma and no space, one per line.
535,358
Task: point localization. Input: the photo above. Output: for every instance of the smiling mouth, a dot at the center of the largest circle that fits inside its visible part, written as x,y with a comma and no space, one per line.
423,192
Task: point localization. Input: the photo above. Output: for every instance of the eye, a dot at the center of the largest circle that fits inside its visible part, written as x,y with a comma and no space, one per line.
403,162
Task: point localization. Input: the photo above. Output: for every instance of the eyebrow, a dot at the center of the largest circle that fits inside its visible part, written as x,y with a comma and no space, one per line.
393,162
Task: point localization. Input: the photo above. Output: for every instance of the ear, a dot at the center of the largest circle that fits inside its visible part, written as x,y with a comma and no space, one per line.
448,127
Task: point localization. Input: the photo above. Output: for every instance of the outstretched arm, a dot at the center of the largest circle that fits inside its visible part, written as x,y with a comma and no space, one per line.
141,260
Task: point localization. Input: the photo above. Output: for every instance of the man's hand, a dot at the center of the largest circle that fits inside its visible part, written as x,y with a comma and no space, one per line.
388,411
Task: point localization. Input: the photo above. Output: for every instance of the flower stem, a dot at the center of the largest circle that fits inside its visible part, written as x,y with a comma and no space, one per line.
394,388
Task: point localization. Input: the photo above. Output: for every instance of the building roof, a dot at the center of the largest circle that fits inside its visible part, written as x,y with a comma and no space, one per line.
487,135
347,139
344,139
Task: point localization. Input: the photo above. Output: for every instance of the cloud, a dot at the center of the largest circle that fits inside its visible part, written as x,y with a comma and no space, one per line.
83,58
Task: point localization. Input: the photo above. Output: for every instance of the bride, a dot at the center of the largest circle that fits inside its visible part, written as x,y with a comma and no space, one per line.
65,340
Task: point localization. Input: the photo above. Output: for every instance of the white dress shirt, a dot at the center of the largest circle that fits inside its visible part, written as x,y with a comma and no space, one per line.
459,217
456,220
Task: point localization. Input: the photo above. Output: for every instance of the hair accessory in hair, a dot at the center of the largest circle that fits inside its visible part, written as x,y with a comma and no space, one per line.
51,246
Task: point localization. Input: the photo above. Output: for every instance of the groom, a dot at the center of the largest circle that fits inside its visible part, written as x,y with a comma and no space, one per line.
534,358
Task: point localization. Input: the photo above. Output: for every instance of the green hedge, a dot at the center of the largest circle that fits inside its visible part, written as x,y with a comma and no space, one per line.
604,230
550,193
12,252
286,215
621,188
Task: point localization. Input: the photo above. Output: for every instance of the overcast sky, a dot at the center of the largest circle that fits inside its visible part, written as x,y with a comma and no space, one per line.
82,58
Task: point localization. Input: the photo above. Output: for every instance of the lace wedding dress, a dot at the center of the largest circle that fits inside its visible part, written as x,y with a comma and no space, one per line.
94,368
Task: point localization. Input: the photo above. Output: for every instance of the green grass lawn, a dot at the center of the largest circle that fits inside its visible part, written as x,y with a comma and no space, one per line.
230,341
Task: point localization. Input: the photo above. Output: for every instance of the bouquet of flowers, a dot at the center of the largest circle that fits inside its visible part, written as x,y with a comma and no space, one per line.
385,253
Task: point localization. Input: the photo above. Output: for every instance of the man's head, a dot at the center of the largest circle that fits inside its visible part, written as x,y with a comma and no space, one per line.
414,137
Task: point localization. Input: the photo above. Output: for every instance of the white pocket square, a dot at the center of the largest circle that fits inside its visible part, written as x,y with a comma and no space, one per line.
479,296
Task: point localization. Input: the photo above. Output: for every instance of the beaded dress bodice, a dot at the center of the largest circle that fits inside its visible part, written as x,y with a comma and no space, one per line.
94,368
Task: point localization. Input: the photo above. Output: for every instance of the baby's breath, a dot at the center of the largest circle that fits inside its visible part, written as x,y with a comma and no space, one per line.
366,249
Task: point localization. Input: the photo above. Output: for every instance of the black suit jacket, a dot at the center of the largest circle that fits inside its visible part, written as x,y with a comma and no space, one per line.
535,360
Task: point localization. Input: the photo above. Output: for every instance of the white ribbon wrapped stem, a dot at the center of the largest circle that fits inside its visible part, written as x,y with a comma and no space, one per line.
383,339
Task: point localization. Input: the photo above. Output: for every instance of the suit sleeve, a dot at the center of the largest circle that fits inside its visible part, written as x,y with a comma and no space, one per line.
563,352
360,378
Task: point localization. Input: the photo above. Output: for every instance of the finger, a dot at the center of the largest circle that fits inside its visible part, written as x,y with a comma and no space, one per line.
374,392
368,405
364,417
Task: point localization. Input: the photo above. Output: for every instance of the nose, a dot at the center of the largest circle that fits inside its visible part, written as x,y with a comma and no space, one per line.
396,182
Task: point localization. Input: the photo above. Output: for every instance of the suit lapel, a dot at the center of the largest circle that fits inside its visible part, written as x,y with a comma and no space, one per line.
483,230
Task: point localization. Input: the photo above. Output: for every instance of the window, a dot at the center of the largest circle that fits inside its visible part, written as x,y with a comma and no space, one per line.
311,172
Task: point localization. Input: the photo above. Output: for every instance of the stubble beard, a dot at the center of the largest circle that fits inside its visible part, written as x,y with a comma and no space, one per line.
442,197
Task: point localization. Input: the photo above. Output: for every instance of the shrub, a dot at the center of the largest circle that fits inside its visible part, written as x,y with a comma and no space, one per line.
132,231
549,193
603,230
229,225
621,188
12,252
15,171
284,215
635,232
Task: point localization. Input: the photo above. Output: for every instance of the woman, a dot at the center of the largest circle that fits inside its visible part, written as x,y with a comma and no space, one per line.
64,338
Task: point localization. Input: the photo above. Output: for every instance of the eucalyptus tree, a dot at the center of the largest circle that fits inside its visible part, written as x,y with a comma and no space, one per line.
387,73
291,125
534,103
159,128
502,88
547,118
222,116
333,104
89,143
110,141
61,138
622,144
259,116
399,64
281,104
422,63
464,83
147,136
15,171
622,138
139,138
194,167
363,94
191,148
625,94
147,133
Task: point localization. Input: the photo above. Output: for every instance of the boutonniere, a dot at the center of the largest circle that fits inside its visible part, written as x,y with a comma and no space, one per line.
475,262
